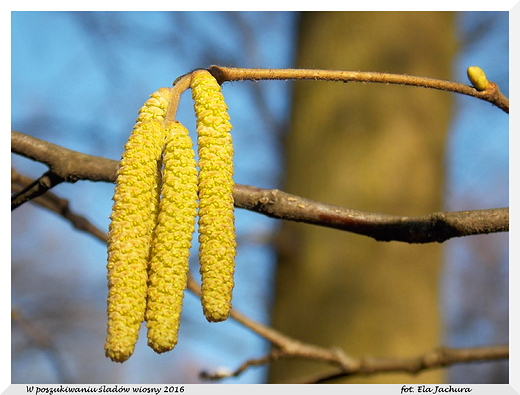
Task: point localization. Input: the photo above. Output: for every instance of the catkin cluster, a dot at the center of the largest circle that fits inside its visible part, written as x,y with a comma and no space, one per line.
157,193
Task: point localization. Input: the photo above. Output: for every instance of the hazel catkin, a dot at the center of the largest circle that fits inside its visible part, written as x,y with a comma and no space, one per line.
216,210
171,244
133,218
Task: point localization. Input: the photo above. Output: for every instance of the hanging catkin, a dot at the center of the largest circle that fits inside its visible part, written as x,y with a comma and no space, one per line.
172,239
133,218
216,210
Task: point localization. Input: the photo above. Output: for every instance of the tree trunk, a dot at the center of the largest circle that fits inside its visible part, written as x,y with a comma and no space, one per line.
372,147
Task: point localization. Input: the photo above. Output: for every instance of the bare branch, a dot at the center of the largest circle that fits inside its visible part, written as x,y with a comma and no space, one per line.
492,94
436,227
287,347
58,205
37,188
70,165
438,358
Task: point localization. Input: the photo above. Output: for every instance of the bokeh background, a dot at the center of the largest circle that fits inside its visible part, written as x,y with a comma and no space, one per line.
78,79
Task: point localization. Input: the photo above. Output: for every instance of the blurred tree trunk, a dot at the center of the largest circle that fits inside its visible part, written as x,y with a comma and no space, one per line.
372,147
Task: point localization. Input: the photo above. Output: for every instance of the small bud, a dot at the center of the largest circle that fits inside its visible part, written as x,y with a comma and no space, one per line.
478,78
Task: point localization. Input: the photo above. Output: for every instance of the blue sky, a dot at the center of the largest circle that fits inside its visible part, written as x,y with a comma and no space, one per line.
69,89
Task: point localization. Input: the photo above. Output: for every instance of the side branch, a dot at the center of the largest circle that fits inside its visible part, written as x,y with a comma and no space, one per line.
37,188
58,205
438,358
286,347
492,94
67,164
437,227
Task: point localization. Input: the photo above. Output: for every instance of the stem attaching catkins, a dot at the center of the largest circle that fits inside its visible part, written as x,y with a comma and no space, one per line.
216,209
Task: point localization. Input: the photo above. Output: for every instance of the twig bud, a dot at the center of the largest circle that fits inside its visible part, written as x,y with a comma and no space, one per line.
478,78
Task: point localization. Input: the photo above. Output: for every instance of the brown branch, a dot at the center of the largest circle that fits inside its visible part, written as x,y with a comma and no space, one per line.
67,164
436,227
64,166
289,348
58,205
438,358
36,188
285,345
492,94
282,342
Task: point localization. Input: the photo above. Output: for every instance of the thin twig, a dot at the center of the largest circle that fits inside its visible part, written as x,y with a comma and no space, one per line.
37,188
436,227
492,94
438,358
58,205
281,341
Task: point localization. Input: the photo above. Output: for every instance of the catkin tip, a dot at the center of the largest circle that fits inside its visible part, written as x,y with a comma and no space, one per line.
118,355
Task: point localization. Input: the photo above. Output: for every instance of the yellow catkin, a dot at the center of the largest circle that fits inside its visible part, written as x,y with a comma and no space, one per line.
216,211
172,239
133,218
478,78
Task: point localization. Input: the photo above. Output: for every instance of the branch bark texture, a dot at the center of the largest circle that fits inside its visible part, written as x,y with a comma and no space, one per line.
71,166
